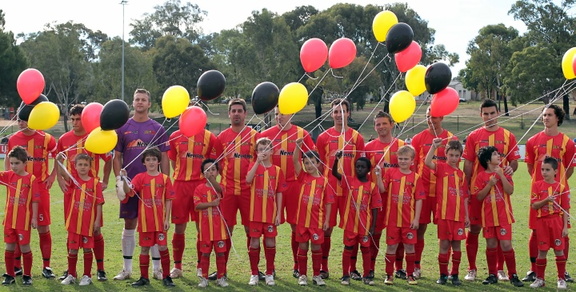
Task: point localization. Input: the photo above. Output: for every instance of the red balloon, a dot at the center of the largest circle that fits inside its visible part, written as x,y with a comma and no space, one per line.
409,57
342,53
444,102
30,85
90,117
192,121
313,54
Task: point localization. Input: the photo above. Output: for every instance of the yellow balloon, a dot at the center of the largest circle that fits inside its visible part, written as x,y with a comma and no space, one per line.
174,101
402,106
43,116
415,80
100,141
293,98
567,60
382,23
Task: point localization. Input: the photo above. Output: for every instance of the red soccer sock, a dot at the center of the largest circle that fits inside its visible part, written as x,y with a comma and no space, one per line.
326,245
165,262
399,256
374,249
270,254
9,262
472,249
316,262
144,265
220,265
72,262
533,250
254,255
419,248
491,260
346,255
46,248
205,264
198,253
366,260
443,259
17,257
294,244
410,259
501,258
178,246
354,258
27,259
302,261
510,258
390,259
99,251
566,246
561,266
88,258
541,268
456,258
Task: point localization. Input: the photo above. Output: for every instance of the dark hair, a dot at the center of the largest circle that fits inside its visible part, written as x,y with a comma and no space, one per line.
236,101
488,103
454,145
559,112
366,160
76,109
19,153
312,154
83,156
383,114
552,161
207,161
485,154
339,101
142,90
155,152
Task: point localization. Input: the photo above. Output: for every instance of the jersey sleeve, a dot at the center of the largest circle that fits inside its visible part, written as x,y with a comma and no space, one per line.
35,189
514,153
99,195
469,153
420,193
52,146
529,155
479,183
534,197
569,160
197,196
170,194
376,201
173,142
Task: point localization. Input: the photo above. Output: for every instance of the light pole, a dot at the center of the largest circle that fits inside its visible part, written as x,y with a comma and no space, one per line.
123,2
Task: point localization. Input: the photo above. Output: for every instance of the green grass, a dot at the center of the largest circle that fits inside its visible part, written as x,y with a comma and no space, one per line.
238,267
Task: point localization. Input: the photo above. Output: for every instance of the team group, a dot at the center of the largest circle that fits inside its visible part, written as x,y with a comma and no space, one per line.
280,175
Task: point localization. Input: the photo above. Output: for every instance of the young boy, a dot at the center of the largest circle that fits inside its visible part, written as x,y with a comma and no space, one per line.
83,216
452,207
212,231
404,195
360,210
551,201
266,185
312,213
154,189
493,189
23,195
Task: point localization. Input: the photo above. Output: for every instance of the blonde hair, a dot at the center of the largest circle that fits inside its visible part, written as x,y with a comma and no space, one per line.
406,150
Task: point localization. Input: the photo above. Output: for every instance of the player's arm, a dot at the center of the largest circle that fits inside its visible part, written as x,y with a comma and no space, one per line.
252,173
514,165
530,168
379,182
374,218
279,208
296,157
569,172
328,211
335,172
430,155
106,175
34,221
117,163
506,184
417,211
468,166
167,214
466,215
486,189
98,217
539,204
62,173
165,164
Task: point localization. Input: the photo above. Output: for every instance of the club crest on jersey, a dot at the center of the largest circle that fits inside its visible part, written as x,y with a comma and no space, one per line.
460,231
409,235
161,236
557,242
220,244
502,231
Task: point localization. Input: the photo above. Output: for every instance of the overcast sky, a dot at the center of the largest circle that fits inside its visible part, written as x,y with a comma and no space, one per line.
456,21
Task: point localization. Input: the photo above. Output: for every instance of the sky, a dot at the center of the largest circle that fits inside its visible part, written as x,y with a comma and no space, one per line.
456,21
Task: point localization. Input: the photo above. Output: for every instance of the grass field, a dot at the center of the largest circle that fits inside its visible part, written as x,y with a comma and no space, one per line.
238,268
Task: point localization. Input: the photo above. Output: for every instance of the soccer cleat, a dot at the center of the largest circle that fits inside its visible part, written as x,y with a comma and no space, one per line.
471,276
141,282
123,275
17,271
400,274
455,280
368,281
47,273
69,280
8,280
389,280
318,281
562,284
324,274
412,281
538,283
371,274
442,280
203,282
417,273
492,279
530,277
64,275
355,275
502,276
85,281
222,282
158,275
101,276
296,274
213,276
26,280
168,282
303,280
177,273
253,280
568,278
516,281
345,280
270,280
261,276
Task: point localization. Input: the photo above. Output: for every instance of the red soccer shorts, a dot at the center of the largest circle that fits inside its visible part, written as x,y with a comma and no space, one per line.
351,239
502,232
396,235
20,237
183,205
314,235
451,230
148,239
257,229
290,201
44,206
77,241
549,233
428,210
218,245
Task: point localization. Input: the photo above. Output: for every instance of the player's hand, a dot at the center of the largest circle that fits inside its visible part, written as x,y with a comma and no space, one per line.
326,225
508,170
96,226
123,172
166,225
299,142
61,156
339,154
550,199
436,142
377,170
467,222
493,180
415,224
277,220
371,231
62,184
564,232
104,185
216,202
34,223
260,157
49,181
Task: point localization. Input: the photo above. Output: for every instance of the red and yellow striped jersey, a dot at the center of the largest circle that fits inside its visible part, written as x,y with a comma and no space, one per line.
496,206
211,224
267,182
21,192
188,154
451,192
359,201
238,151
541,146
542,190
383,154
402,192
72,145
38,146
153,192
312,201
84,198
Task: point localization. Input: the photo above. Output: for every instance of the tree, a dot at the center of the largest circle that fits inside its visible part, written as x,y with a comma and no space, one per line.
12,62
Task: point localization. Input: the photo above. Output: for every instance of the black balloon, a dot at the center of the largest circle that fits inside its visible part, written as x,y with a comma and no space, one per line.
399,37
25,109
210,85
265,97
115,114
438,77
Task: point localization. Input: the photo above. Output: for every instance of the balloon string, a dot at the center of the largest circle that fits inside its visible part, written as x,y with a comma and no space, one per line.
11,123
363,69
148,145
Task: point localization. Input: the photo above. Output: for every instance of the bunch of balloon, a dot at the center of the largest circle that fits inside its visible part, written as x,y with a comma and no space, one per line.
402,106
313,54
113,115
444,99
192,121
342,52
569,64
265,97
174,101
35,108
